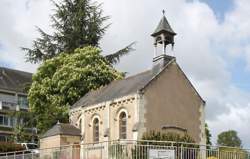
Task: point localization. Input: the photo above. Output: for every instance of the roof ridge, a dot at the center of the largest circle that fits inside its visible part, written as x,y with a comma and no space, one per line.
16,70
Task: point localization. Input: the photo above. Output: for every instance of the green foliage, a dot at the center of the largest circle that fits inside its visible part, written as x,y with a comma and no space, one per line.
9,147
76,23
175,139
114,58
168,136
228,152
24,120
208,135
61,81
2,128
238,153
212,157
229,138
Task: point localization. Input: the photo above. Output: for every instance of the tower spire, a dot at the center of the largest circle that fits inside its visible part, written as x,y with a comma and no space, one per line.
163,35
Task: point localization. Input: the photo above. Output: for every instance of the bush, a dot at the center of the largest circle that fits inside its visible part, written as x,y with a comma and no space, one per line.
6,128
238,153
168,136
9,147
178,142
212,157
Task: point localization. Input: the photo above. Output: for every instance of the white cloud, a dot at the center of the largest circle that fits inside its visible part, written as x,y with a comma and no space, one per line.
17,29
204,46
202,42
237,119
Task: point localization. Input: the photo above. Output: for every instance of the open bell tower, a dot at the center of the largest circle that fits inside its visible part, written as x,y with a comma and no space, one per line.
163,36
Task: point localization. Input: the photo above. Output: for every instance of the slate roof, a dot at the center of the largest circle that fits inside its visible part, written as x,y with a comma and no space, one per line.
14,80
116,89
119,88
163,26
62,129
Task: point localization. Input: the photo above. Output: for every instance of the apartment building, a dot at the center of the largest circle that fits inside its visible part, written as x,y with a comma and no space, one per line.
13,97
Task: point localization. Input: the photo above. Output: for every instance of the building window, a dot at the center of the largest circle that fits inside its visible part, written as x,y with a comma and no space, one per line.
4,120
122,125
22,102
3,138
96,130
12,122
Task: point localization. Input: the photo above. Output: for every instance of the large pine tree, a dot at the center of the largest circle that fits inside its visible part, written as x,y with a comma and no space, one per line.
77,23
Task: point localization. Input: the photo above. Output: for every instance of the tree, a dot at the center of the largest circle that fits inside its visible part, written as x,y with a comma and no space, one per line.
229,138
208,135
23,121
61,81
77,23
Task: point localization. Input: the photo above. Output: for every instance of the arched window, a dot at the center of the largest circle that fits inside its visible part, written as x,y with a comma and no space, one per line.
96,130
122,125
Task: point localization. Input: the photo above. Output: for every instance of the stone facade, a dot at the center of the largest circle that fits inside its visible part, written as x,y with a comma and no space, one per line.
108,114
172,104
58,140
168,103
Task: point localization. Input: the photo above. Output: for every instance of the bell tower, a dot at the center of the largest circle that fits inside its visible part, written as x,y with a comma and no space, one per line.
163,36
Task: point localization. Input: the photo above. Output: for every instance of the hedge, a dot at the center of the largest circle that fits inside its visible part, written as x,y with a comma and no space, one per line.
6,128
9,147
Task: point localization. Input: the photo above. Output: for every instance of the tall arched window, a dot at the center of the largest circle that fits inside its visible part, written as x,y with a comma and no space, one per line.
122,125
96,130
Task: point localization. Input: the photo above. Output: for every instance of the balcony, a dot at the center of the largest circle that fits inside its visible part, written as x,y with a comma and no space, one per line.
7,105
14,106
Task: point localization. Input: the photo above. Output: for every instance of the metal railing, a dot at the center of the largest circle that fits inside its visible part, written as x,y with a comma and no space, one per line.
130,149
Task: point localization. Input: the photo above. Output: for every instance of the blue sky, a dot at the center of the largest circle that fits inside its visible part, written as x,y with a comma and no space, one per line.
240,76
220,7
212,46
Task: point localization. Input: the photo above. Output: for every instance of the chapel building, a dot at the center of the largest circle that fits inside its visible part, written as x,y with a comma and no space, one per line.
160,99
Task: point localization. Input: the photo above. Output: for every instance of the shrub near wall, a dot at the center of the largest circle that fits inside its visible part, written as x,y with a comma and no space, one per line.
9,147
177,139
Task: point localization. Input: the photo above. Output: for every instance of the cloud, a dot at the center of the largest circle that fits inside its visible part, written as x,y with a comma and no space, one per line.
18,29
205,46
236,119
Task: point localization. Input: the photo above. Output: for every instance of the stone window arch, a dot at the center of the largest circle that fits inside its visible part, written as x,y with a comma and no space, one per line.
122,125
96,129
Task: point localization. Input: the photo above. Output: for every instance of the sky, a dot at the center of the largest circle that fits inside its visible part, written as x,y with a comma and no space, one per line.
212,46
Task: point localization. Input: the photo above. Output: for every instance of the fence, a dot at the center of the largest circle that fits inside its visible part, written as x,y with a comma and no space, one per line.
129,149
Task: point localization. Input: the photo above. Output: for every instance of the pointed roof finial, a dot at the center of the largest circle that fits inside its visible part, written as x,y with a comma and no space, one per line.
163,26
